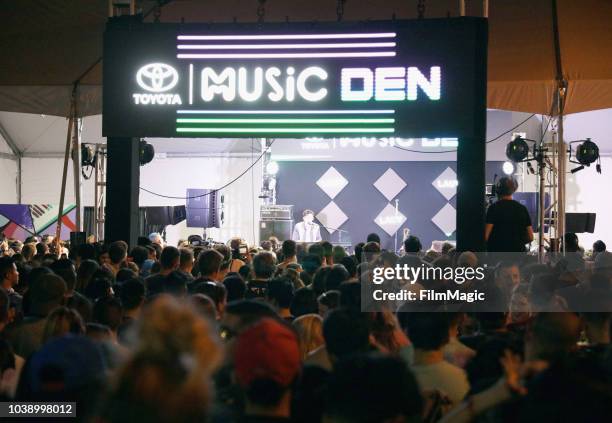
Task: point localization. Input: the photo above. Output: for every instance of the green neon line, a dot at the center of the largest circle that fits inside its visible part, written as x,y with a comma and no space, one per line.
287,130
231,120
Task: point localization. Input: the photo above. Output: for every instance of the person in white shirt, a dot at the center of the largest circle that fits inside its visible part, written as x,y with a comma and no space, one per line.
429,333
307,230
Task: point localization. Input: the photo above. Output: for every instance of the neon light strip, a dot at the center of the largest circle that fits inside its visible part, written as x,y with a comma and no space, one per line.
285,55
286,36
285,112
191,84
286,130
279,46
285,120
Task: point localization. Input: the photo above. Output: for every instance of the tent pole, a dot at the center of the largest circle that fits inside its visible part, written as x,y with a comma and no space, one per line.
76,166
562,164
58,230
559,99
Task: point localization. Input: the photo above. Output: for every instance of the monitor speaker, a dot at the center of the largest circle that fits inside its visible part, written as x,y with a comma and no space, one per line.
278,228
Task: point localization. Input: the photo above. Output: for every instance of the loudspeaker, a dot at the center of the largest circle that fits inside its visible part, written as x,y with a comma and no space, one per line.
202,210
158,215
279,228
165,215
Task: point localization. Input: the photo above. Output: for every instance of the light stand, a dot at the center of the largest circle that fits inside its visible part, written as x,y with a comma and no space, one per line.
587,153
539,155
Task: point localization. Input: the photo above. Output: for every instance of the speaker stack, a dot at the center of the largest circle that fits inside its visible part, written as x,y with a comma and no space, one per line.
202,209
275,220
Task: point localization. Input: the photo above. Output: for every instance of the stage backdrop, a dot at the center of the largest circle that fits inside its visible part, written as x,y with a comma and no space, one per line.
360,197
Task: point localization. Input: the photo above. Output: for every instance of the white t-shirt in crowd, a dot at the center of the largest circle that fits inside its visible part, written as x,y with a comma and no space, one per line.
445,377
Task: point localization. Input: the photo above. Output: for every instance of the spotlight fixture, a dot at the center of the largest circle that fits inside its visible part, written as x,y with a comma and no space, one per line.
508,168
586,154
88,155
517,150
146,152
272,168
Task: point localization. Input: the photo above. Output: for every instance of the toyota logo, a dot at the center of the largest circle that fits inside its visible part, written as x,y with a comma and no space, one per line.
157,77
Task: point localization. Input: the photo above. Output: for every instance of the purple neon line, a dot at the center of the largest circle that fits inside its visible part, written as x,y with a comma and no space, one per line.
281,46
288,112
287,36
286,55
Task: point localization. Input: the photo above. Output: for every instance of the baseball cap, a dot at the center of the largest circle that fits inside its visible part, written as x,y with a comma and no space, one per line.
267,350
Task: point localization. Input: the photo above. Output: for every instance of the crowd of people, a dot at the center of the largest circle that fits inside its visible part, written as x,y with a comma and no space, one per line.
157,333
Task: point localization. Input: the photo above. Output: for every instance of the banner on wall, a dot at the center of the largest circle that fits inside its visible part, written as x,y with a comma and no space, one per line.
404,78
20,221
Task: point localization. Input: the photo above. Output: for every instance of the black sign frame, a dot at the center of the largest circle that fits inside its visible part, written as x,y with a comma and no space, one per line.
452,45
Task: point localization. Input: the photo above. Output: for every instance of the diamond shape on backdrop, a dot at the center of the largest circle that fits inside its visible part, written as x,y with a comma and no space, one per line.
331,217
446,219
332,182
390,184
446,183
390,220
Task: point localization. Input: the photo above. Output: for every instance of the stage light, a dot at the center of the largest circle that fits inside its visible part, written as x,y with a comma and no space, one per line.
517,150
88,155
587,152
272,168
146,152
508,168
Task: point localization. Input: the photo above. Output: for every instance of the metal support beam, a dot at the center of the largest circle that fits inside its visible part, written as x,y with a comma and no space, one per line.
58,230
558,111
49,155
17,155
9,141
100,192
76,167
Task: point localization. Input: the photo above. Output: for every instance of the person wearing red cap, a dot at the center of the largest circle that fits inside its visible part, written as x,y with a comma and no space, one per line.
266,365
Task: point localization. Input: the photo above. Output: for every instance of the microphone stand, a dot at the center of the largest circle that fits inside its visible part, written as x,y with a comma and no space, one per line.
340,231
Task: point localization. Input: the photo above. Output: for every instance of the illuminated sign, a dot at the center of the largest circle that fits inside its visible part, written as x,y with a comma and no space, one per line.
364,142
399,79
